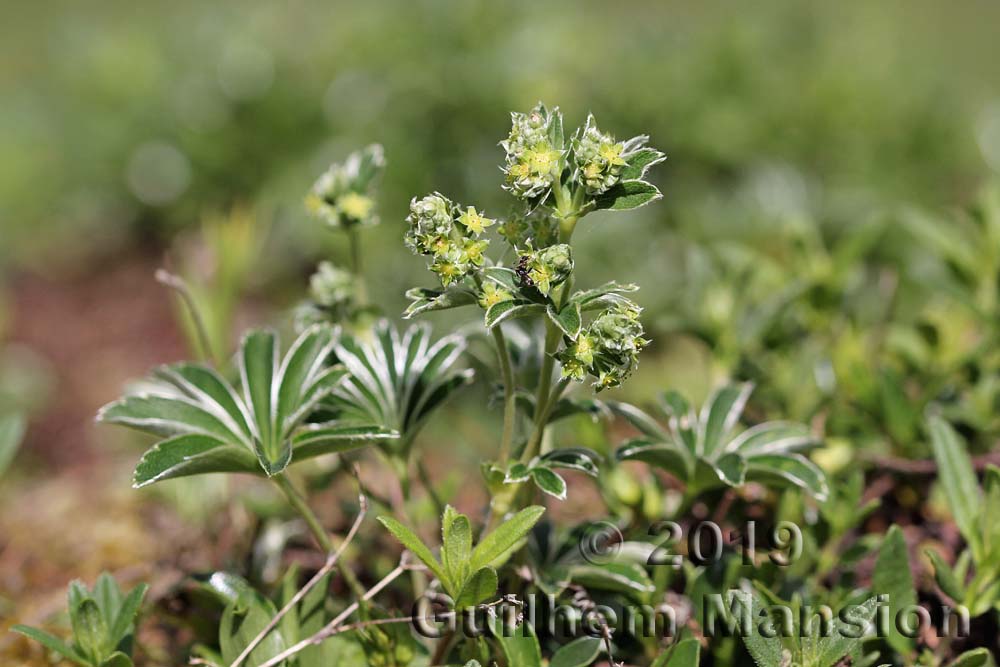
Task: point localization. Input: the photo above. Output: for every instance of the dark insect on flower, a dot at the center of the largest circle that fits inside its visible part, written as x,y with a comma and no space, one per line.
522,271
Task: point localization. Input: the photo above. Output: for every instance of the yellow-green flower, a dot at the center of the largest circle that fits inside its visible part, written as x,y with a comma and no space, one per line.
472,220
472,251
356,206
492,294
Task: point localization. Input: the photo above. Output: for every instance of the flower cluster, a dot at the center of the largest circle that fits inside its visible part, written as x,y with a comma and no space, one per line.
608,348
534,161
442,230
330,286
342,195
332,297
545,268
533,228
599,159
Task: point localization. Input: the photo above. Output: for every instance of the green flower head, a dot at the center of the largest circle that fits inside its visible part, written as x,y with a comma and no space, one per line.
534,162
331,286
431,225
608,349
342,195
599,159
545,268
491,294
530,229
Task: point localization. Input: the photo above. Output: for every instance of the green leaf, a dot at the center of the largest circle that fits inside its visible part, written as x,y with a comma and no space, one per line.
50,642
108,597
669,456
195,454
505,537
721,413
772,438
958,479
791,468
892,577
978,657
206,387
578,653
627,195
628,578
573,458
765,651
456,545
569,320
117,659
549,482
519,645
685,653
506,310
945,577
840,642
502,276
480,587
336,438
89,629
409,540
639,419
302,365
242,621
517,473
426,300
609,294
167,416
730,469
258,364
639,163
124,622
11,433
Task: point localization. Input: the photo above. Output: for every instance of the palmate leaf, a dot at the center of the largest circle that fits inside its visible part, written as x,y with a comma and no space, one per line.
210,426
467,574
425,300
704,451
397,380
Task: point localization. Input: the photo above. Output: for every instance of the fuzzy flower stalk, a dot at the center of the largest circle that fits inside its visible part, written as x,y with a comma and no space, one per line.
343,198
555,181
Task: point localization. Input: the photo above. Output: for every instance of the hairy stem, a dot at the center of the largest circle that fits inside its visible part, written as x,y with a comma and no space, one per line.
357,268
316,528
178,285
509,407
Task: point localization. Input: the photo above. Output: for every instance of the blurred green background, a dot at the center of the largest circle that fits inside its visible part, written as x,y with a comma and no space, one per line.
809,237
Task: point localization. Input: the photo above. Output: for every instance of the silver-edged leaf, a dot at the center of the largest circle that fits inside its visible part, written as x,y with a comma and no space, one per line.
719,415
666,455
507,310
627,195
424,300
192,454
336,438
569,319
792,468
640,161
549,481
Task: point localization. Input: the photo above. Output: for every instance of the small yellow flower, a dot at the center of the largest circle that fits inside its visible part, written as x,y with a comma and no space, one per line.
474,221
583,350
612,153
592,170
541,276
314,203
472,251
493,294
356,206
542,159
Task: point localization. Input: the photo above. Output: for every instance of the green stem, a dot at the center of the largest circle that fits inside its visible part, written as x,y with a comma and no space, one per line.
316,528
354,240
509,406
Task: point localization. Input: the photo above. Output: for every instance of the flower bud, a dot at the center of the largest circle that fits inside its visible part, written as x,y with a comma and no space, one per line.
545,268
431,223
331,286
533,162
599,159
608,349
342,196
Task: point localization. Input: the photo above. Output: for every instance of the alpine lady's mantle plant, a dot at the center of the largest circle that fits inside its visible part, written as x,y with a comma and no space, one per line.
593,333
